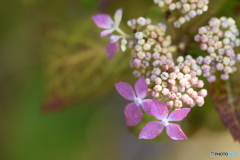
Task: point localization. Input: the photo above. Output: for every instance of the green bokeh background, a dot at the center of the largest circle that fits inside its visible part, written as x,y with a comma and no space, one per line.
52,48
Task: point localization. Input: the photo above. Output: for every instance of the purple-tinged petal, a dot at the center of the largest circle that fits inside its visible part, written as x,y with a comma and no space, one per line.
147,105
141,88
118,16
106,32
178,114
103,21
151,130
159,110
133,114
112,48
125,90
114,38
175,132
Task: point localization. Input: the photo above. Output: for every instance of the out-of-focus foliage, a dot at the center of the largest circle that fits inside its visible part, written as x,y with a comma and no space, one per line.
227,102
51,55
78,67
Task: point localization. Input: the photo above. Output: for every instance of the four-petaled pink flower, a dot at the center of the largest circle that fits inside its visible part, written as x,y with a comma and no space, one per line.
133,112
160,111
105,22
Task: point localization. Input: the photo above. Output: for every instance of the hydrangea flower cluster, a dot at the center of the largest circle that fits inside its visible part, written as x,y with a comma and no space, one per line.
152,57
159,110
172,80
150,48
154,128
186,9
219,39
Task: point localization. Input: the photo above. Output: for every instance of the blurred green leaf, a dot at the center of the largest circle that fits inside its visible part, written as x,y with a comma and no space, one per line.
77,65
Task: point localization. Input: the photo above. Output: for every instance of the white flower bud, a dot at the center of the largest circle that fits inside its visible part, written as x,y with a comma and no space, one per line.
139,35
172,81
157,88
165,91
161,3
172,6
141,55
181,20
202,93
158,80
155,94
131,23
141,41
164,75
192,13
138,48
200,84
199,101
186,7
146,46
173,75
170,104
157,71
141,21
179,76
180,59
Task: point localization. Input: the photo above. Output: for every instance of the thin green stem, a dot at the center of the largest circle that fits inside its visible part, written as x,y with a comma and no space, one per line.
120,31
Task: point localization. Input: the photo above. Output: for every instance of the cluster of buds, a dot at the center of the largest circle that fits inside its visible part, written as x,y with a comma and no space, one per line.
138,23
150,49
218,39
176,84
187,9
152,57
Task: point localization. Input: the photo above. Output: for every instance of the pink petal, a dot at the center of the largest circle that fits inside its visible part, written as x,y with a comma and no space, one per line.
151,130
118,16
147,105
159,110
141,88
103,21
178,114
106,32
112,48
133,114
125,90
175,132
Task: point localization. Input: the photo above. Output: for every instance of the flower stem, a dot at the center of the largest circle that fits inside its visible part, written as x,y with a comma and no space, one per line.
120,31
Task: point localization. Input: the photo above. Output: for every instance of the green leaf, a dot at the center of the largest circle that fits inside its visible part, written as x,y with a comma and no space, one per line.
77,65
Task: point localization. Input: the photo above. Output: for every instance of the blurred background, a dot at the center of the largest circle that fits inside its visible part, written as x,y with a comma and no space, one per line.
57,87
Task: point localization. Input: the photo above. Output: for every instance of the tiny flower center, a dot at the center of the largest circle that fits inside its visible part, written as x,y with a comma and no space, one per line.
113,24
114,39
138,101
165,122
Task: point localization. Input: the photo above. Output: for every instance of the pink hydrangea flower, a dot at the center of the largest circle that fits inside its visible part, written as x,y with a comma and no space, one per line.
133,112
155,128
112,48
105,22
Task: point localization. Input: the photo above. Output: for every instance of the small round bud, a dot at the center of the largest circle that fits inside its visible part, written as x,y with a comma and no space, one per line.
141,21
131,23
200,84
139,35
202,93
146,46
164,75
158,80
165,91
172,6
157,88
